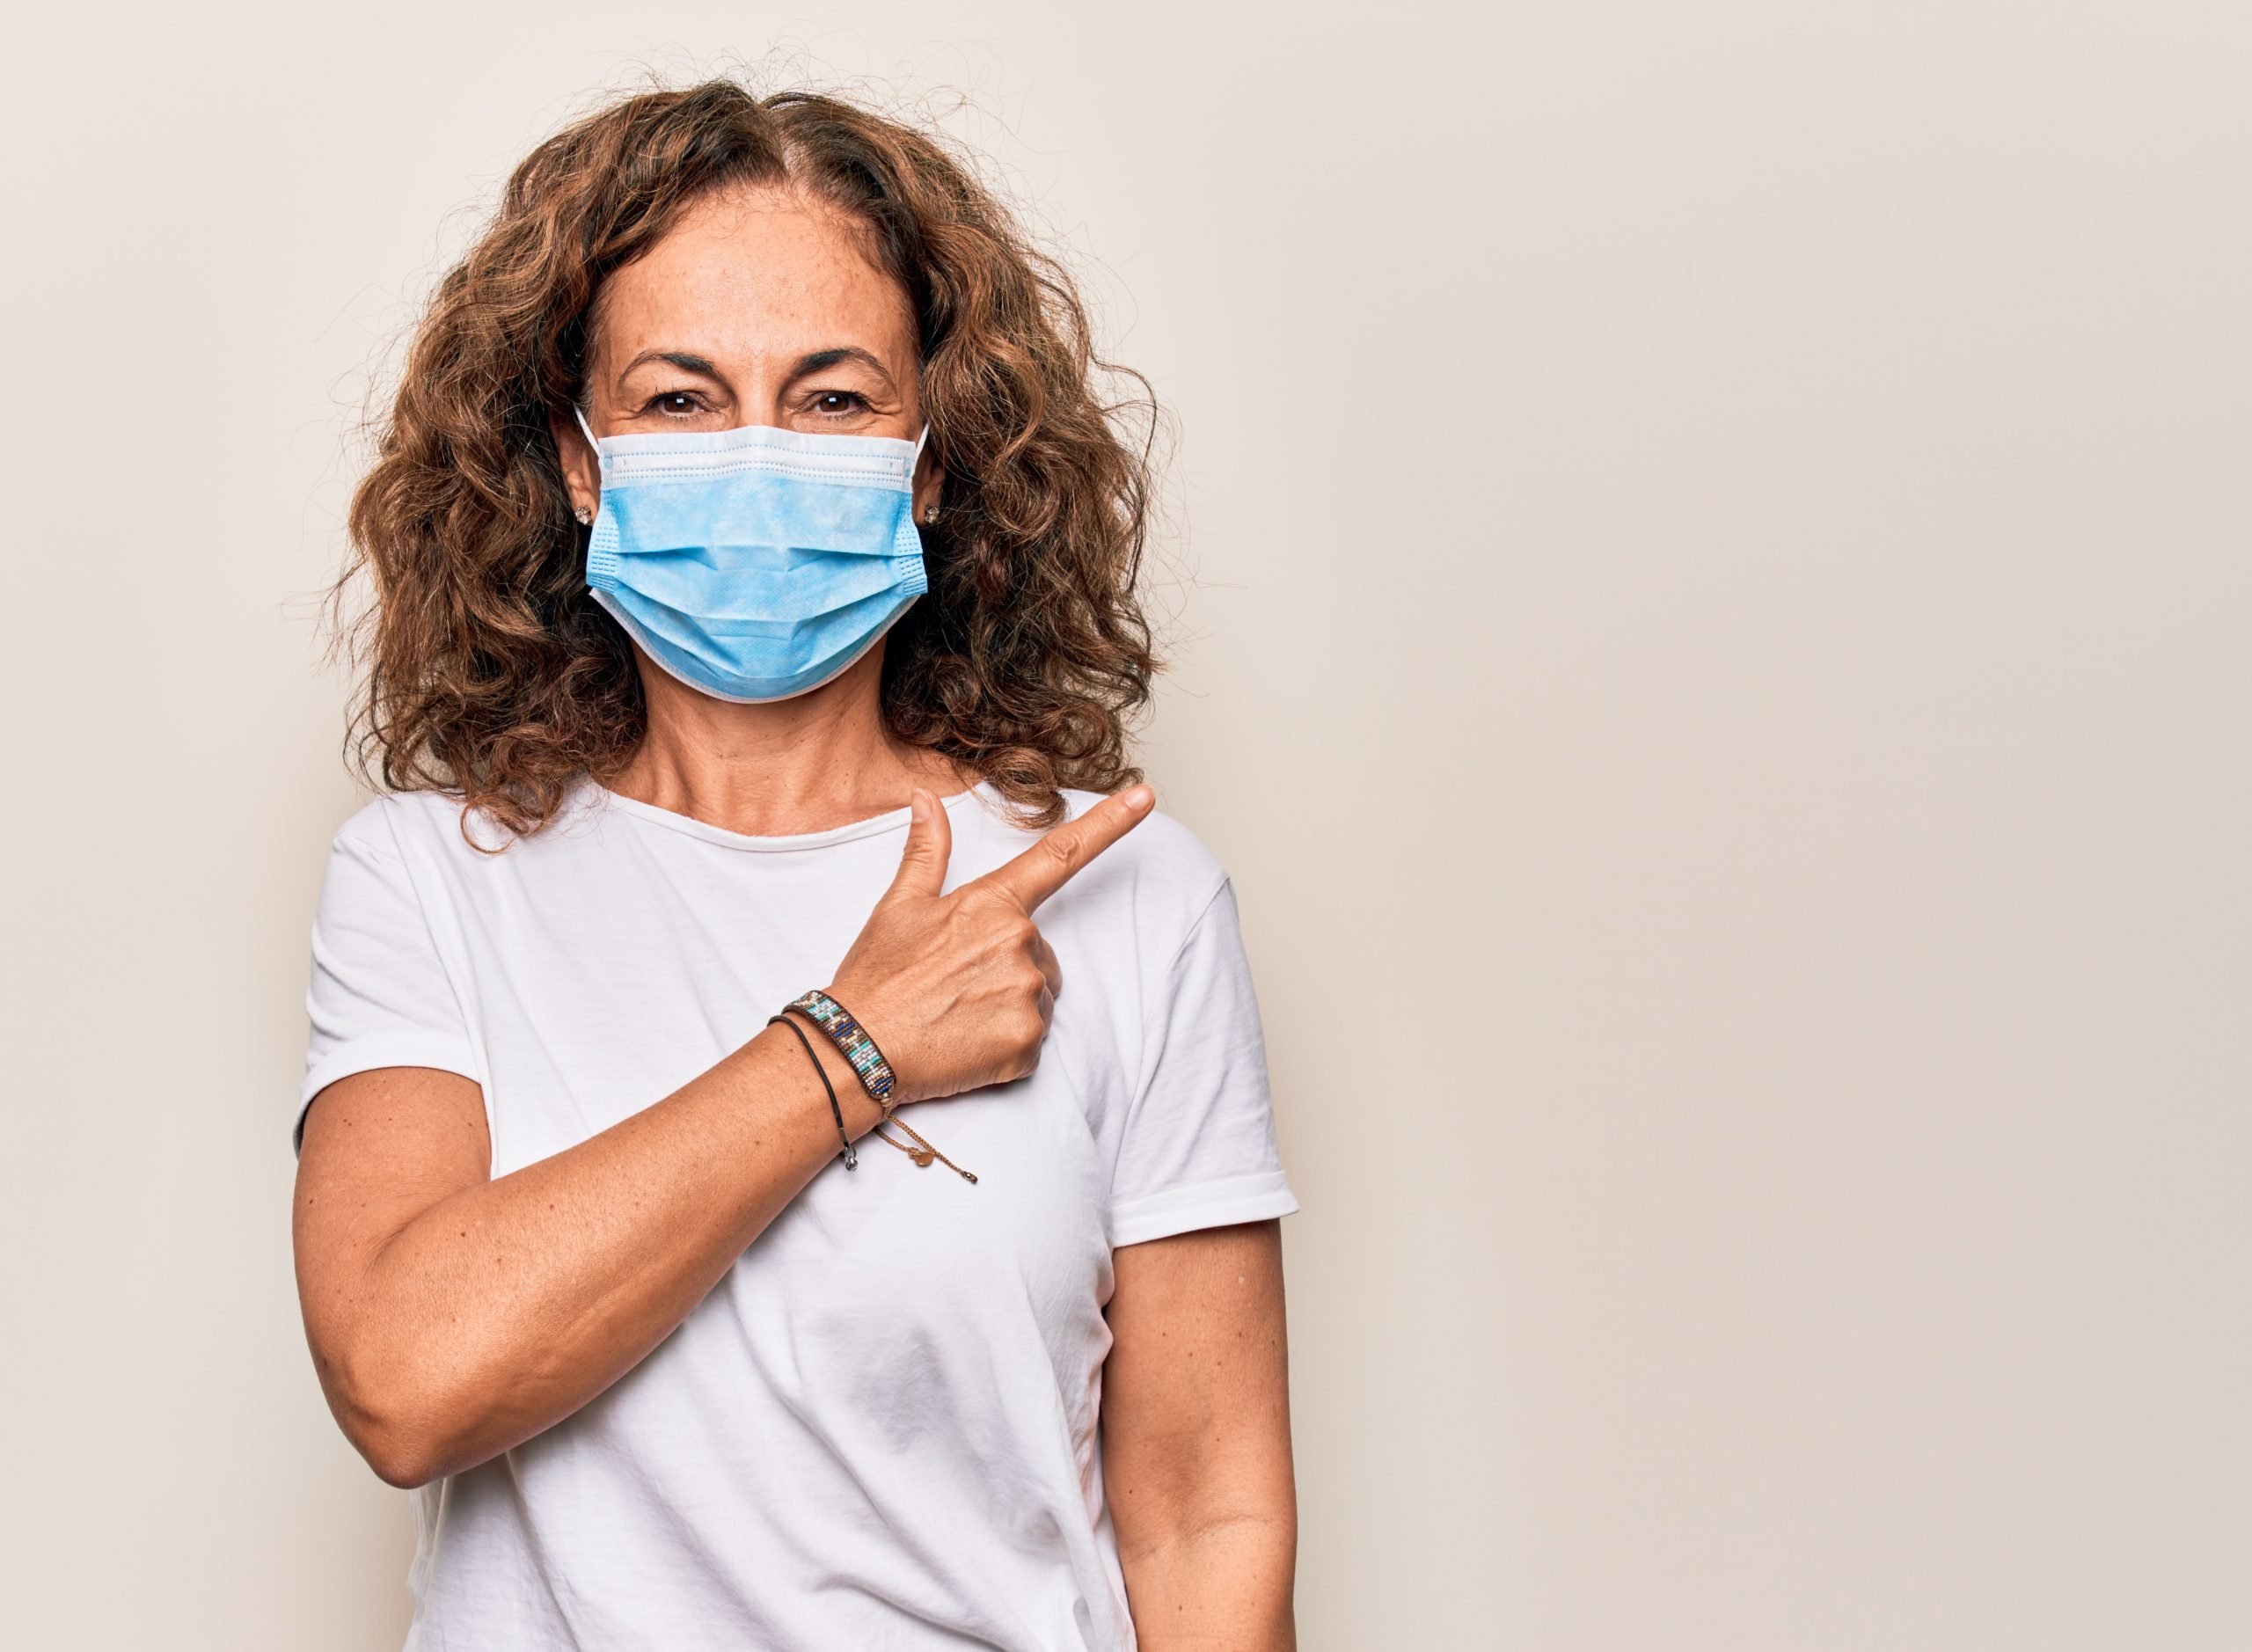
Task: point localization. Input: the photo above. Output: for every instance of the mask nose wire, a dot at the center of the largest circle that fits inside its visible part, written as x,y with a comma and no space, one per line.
913,459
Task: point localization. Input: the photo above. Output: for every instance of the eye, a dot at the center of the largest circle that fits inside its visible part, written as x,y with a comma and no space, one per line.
838,404
675,404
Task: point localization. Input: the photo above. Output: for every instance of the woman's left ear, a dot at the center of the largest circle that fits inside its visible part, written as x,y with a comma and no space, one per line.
581,477
929,482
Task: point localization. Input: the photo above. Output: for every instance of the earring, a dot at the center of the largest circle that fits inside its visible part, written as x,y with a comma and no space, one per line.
931,513
586,517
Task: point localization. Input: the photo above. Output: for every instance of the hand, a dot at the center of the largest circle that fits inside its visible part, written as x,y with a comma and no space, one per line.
957,989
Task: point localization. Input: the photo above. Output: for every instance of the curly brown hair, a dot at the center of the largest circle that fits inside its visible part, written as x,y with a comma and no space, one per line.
491,673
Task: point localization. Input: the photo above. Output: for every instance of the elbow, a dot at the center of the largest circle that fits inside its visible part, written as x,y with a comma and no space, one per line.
1214,1504
399,1458
392,1414
403,1446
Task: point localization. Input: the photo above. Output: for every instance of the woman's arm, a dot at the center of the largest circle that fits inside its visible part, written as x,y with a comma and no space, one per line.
452,1316
1196,1441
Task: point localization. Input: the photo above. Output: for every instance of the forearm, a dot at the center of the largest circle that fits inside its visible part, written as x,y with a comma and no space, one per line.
503,1307
1219,1587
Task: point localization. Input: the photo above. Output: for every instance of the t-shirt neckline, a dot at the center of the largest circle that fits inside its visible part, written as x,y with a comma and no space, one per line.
688,825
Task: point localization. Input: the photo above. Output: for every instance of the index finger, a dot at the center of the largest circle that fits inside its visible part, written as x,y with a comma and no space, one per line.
1051,863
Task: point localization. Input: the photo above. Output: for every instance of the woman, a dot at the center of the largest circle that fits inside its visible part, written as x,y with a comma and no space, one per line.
754,625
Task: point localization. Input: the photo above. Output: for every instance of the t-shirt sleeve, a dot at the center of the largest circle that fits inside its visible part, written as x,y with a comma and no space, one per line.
380,995
1198,1147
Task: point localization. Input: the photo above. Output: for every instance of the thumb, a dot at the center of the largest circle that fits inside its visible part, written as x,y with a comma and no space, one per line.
930,841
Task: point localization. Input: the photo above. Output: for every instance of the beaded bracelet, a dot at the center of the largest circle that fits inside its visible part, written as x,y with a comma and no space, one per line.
852,1043
876,1075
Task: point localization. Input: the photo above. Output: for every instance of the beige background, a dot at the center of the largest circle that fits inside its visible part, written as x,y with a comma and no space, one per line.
1713,619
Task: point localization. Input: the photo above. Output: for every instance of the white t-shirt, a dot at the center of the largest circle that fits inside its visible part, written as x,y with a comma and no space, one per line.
879,1430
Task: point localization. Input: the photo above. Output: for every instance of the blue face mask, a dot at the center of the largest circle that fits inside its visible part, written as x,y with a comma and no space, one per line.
756,563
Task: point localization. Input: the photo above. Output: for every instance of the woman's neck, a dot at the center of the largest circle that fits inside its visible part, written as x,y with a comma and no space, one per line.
817,760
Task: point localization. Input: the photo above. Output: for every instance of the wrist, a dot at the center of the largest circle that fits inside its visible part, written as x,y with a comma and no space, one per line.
858,1052
861,1112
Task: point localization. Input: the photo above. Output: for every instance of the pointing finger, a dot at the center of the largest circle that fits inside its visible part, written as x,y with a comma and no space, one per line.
1049,864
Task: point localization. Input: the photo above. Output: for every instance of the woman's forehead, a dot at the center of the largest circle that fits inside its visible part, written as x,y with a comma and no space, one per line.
752,273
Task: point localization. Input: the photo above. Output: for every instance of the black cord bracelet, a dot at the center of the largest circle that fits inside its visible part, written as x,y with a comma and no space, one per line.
852,1162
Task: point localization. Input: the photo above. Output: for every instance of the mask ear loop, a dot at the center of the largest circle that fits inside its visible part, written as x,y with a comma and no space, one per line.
914,459
586,431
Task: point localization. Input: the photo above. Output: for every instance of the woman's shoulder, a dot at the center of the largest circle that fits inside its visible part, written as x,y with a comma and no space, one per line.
377,824
394,823
1162,849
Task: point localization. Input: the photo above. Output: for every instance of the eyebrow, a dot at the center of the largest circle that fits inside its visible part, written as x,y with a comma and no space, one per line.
819,360
681,359
822,358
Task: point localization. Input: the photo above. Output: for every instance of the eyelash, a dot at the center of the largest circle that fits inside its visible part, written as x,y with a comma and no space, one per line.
860,403
856,404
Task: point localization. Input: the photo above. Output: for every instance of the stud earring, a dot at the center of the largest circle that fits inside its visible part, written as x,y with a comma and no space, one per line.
586,517
929,513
